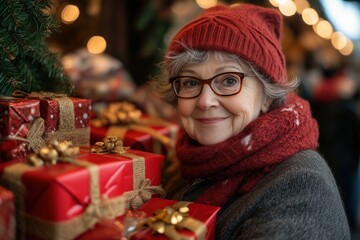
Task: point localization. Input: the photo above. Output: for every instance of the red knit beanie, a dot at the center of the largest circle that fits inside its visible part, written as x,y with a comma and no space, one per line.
248,31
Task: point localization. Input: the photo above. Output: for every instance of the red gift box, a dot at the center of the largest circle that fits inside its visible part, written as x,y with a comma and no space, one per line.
66,199
66,118
201,215
7,214
150,134
16,118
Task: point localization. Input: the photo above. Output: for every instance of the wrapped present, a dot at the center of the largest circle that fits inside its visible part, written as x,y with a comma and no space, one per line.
7,214
159,219
143,132
100,77
169,219
19,127
63,200
65,118
137,130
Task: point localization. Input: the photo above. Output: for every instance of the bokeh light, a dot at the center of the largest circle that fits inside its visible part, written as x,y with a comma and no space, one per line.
310,16
348,49
70,14
338,40
206,3
323,28
287,8
96,45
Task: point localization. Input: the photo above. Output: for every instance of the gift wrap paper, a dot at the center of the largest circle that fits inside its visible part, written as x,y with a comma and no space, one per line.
64,200
114,229
66,118
206,214
17,126
7,214
150,134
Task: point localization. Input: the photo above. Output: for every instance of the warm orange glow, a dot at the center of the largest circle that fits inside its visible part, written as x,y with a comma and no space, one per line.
69,14
206,3
301,5
274,3
310,16
279,2
96,45
338,40
324,29
288,8
348,49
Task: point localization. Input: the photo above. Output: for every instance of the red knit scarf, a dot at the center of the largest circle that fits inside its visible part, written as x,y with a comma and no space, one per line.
238,163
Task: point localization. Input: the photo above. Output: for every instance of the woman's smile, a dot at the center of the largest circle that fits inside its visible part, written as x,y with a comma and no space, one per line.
211,120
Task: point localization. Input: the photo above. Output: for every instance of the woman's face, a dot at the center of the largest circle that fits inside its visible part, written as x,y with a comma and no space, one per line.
210,118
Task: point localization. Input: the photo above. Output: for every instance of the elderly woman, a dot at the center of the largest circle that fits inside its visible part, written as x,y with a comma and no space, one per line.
249,143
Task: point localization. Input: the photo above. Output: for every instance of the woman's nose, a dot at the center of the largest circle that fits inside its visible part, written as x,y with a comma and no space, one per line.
207,98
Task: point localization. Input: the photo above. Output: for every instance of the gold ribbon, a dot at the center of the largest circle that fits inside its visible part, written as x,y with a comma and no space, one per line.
11,178
122,116
170,219
143,126
37,95
67,130
7,97
142,189
98,207
118,113
54,152
34,138
36,128
141,195
110,144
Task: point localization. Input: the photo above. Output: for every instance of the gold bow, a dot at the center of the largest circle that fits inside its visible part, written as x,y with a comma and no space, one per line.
167,220
110,144
54,152
118,113
168,215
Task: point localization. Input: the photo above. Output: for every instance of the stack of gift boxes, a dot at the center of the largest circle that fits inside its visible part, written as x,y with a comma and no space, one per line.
67,173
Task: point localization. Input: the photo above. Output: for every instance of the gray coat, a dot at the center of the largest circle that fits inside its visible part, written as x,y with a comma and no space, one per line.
299,199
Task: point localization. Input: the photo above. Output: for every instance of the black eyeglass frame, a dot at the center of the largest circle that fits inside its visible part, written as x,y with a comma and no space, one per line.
208,81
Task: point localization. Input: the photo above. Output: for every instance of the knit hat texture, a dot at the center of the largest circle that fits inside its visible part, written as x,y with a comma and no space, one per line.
251,32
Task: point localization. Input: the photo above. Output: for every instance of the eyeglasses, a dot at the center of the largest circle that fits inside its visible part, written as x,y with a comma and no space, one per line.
223,84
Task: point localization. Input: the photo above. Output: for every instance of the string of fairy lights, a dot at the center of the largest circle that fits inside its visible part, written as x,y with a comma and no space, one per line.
323,28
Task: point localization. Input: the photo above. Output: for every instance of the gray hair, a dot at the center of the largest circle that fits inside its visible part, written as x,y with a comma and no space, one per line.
176,62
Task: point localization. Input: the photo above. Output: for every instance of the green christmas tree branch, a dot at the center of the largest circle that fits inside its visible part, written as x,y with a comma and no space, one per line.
27,64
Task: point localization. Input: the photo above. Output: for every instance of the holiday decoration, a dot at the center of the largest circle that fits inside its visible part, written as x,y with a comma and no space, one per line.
159,219
61,194
53,153
65,118
98,76
26,63
111,144
137,130
7,214
19,127
168,219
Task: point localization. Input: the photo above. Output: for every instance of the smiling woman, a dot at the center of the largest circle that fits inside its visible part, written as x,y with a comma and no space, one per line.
248,142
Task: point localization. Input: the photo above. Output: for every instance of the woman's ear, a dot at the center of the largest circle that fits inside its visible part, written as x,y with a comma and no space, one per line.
266,105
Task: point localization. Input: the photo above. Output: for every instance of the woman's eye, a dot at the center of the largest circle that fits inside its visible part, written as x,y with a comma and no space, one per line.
190,83
229,81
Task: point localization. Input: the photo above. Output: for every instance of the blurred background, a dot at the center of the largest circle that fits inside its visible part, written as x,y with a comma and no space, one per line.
110,49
